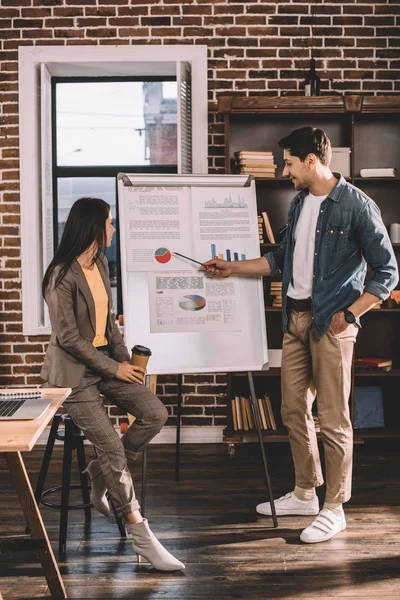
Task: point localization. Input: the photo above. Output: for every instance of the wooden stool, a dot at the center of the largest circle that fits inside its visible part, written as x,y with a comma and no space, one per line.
73,439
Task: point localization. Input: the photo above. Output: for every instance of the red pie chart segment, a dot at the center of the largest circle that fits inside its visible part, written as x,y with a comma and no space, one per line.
162,255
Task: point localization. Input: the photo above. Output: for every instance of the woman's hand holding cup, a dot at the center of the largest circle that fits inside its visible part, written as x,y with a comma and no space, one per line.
135,371
131,373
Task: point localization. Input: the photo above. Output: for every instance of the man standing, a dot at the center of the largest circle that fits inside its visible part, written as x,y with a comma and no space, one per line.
334,230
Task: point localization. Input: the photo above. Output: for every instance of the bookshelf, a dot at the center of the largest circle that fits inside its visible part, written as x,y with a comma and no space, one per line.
370,127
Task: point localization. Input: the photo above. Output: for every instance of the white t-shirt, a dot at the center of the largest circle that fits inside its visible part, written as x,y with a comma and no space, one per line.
304,248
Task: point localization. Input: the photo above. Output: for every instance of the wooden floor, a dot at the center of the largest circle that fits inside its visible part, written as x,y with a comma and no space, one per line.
208,521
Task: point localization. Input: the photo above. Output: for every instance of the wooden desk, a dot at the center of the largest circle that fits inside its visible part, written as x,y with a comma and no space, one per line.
21,436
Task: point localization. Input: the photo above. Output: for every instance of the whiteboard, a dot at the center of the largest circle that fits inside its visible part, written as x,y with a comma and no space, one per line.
244,348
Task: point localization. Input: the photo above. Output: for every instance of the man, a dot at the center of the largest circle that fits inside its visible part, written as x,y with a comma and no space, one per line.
334,230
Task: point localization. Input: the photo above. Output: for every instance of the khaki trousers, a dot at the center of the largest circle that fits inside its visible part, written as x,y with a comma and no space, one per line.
322,367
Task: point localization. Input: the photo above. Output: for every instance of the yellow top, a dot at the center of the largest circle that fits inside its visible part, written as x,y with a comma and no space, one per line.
100,298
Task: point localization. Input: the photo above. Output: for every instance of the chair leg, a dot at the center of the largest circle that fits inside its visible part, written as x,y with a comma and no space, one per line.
66,479
80,451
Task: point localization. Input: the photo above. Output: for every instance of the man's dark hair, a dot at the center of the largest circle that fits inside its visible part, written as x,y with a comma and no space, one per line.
308,140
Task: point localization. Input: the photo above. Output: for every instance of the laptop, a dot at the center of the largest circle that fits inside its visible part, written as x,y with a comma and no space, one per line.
23,405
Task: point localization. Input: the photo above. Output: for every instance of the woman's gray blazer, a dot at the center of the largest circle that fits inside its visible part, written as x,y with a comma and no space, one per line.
73,328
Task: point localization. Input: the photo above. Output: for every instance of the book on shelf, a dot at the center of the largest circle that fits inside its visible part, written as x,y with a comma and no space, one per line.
253,154
264,424
268,228
378,172
269,165
243,417
258,164
276,292
234,415
238,413
249,412
374,364
260,222
244,413
270,413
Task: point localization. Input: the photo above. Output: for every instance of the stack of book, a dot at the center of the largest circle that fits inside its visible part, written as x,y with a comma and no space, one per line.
242,414
259,164
268,229
276,292
260,221
373,364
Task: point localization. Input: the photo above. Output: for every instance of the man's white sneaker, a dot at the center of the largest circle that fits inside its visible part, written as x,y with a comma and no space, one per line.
325,526
290,505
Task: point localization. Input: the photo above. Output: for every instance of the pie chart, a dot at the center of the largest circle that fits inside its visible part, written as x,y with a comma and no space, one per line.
162,255
192,302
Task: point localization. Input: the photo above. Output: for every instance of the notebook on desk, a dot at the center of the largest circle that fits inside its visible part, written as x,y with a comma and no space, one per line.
16,406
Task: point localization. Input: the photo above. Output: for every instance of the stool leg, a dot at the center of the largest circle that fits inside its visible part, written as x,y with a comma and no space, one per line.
80,451
66,479
47,457
46,460
144,481
118,519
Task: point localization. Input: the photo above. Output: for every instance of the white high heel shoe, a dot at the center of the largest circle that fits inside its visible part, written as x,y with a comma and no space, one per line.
98,487
147,545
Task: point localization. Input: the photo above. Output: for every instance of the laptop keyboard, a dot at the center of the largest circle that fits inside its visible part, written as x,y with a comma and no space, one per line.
8,408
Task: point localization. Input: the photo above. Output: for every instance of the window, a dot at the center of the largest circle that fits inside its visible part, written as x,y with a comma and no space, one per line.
114,125
87,113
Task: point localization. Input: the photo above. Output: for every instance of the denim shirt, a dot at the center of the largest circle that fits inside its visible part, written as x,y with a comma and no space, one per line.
349,235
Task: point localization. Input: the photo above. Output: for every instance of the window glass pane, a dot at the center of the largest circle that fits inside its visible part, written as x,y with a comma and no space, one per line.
116,123
70,189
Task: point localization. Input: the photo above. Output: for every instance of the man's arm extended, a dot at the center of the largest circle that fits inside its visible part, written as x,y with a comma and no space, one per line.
223,268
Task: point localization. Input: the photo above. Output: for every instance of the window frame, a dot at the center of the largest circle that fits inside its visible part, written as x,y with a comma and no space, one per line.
93,61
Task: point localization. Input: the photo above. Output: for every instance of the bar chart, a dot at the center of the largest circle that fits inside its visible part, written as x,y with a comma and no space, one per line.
228,254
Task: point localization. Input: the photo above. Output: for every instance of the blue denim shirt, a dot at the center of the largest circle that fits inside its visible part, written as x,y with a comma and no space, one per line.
349,235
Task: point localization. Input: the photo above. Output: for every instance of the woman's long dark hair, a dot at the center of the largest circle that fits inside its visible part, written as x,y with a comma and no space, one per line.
86,223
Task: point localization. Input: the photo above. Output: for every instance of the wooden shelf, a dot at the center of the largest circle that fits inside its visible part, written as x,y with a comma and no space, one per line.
358,178
269,435
377,433
274,180
273,309
392,373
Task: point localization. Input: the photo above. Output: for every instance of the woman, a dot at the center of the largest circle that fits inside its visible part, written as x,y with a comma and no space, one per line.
87,353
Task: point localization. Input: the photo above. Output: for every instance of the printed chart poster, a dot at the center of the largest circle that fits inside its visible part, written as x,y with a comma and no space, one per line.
190,301
224,223
157,224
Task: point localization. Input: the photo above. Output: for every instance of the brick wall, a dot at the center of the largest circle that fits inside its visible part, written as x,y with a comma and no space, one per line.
255,47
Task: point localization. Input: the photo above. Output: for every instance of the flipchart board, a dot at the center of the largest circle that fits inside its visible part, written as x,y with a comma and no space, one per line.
191,322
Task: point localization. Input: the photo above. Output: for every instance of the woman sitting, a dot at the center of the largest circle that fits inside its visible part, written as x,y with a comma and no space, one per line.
87,353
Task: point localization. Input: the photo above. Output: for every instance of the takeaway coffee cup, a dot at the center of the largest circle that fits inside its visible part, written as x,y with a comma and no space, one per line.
140,356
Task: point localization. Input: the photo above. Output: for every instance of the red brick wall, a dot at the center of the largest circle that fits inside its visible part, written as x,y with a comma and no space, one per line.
255,47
